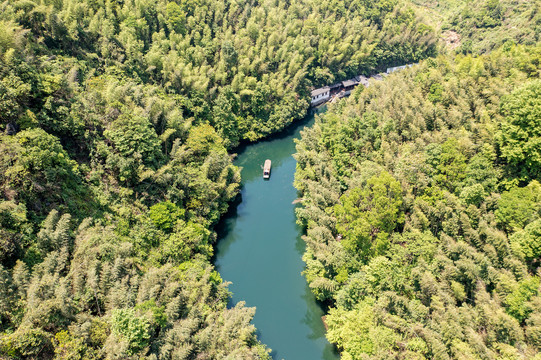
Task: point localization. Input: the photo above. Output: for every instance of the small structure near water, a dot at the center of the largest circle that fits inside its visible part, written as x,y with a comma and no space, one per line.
344,88
266,169
338,90
320,95
397,68
11,129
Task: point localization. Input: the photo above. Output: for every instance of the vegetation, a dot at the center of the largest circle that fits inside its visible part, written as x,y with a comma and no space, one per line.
245,68
116,120
423,210
422,193
482,26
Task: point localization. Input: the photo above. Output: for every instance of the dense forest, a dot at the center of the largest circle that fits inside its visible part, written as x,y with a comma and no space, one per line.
482,26
245,67
422,200
116,119
422,203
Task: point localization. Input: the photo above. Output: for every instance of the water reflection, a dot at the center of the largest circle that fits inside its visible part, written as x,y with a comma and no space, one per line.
260,248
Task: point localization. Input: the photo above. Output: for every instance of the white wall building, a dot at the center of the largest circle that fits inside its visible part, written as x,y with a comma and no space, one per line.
320,95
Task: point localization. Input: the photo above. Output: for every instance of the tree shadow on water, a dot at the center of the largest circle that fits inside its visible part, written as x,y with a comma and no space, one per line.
225,230
313,318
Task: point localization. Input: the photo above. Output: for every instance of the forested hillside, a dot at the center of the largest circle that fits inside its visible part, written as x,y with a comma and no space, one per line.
246,67
422,198
484,25
422,203
116,118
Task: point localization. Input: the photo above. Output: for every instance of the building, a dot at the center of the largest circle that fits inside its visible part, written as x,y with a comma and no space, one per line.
363,80
397,68
320,95
335,88
341,89
11,129
349,85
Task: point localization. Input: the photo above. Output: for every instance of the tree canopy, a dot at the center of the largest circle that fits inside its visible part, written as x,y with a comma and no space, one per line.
421,192
421,203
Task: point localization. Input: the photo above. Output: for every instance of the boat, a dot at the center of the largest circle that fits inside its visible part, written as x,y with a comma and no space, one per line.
266,169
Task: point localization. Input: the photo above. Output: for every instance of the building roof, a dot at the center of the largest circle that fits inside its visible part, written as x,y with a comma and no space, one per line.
396,68
350,82
320,91
337,85
362,80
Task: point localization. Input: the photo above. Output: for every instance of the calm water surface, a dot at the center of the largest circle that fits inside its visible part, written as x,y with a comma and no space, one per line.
259,250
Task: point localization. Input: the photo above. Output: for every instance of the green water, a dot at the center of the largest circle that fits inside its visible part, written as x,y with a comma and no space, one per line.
259,250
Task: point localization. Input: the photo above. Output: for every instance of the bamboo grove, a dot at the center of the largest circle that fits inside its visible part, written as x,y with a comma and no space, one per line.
114,168
422,204
118,119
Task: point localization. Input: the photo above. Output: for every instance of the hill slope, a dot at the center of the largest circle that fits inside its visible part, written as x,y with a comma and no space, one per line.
423,209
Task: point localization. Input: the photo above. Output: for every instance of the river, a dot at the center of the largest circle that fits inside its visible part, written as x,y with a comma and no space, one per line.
260,248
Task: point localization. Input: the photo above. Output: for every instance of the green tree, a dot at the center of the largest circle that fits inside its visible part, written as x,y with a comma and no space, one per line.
350,330
67,346
519,136
451,165
202,140
55,232
165,215
134,135
131,328
519,206
176,17
182,245
517,302
38,171
366,216
527,242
